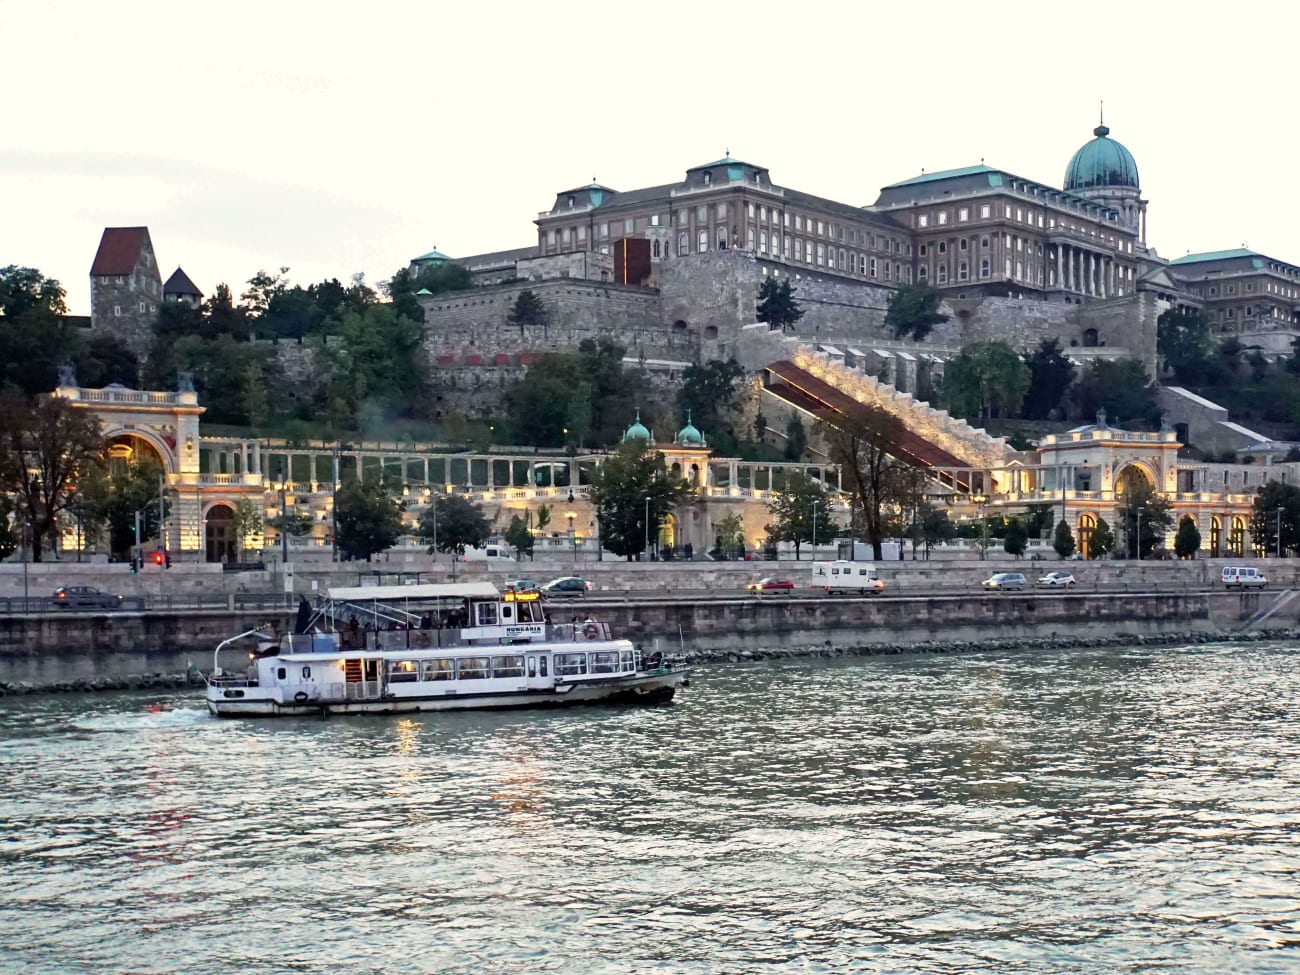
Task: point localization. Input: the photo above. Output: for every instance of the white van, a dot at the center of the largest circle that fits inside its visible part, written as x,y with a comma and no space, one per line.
1243,577
844,575
492,552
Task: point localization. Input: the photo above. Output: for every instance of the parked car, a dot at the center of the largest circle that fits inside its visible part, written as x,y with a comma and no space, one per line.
770,584
1057,579
1243,577
84,597
1005,581
522,585
565,587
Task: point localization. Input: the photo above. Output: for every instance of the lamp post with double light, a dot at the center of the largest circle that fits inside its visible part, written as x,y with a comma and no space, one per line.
981,501
573,538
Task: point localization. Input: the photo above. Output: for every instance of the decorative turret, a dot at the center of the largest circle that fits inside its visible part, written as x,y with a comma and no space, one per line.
637,431
688,436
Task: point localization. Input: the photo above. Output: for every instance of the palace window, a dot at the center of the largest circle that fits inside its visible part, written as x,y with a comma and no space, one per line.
963,272
703,241
942,273
942,217
985,270
986,211
923,220
963,214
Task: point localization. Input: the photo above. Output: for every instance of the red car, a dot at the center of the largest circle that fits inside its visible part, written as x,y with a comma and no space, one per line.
770,584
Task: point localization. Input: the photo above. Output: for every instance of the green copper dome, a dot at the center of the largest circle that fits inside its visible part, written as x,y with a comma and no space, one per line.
637,430
688,436
1101,162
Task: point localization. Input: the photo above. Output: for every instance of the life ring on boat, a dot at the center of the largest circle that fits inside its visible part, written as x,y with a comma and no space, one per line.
300,696
590,631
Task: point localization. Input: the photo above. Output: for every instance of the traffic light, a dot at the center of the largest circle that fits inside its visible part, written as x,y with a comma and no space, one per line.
135,565
167,556
158,557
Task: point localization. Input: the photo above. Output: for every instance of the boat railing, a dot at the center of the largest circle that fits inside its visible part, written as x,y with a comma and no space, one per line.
363,690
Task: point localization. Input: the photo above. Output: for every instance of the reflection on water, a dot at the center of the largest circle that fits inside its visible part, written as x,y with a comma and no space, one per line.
1094,811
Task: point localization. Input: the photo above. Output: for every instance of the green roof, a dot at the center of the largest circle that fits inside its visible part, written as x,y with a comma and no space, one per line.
1216,256
1101,162
433,255
946,174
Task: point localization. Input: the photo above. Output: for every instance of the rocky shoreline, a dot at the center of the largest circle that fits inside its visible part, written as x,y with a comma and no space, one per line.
705,657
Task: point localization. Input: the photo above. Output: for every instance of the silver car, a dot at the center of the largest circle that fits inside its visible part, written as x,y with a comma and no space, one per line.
1005,581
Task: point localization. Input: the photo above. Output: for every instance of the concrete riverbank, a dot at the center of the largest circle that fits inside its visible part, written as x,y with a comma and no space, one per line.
91,650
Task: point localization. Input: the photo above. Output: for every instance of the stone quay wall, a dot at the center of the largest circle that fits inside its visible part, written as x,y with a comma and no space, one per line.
53,649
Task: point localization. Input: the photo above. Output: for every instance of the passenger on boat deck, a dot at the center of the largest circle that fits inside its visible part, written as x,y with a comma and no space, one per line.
426,621
353,624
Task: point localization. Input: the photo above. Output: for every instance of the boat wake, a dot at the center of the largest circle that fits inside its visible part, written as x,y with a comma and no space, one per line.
162,719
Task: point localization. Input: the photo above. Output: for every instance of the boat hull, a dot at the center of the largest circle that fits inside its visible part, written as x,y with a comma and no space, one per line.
654,688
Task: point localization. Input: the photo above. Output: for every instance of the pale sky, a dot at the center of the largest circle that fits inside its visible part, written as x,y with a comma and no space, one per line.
334,138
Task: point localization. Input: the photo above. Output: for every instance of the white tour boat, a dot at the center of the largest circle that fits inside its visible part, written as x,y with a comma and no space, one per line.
391,649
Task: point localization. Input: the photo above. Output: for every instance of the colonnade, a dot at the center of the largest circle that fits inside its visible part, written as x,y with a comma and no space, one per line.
1088,272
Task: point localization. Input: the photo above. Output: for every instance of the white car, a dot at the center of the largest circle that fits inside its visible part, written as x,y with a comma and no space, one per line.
1057,579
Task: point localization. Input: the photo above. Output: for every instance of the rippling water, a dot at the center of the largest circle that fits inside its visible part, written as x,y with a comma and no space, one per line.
1102,811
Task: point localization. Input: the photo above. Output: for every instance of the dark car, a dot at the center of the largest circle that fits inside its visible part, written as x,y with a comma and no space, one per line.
565,587
84,597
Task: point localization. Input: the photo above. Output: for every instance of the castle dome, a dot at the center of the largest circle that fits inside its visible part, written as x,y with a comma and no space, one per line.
689,436
637,431
1101,162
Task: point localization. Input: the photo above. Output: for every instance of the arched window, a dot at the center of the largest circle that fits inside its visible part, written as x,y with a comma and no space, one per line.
1087,525
1089,338
921,273
1216,535
654,248
942,274
1237,538
703,241
683,245
963,272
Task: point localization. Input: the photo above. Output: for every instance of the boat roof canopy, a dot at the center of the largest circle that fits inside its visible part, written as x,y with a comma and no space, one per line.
392,594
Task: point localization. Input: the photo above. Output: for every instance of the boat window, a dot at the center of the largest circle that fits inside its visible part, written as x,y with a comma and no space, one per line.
440,669
400,671
604,663
505,613
508,666
473,668
570,663
541,667
529,612
625,661
487,614
532,666
306,673
281,673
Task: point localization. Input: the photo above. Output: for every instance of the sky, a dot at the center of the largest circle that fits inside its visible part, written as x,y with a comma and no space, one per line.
333,139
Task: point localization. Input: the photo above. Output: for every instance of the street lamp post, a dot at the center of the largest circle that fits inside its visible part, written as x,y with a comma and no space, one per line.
284,521
814,531
334,512
647,526
1279,531
981,500
573,539
1139,534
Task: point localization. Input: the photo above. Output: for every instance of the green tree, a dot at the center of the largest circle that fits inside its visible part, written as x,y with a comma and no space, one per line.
115,499
1184,341
453,524
1016,537
436,279
1188,540
708,395
729,535
986,379
1063,540
45,446
1120,387
863,443
630,485
543,517
263,288
777,306
378,361
796,439
801,513
1146,518
914,311
106,359
1050,375
1271,496
528,309
246,522
368,518
551,400
1102,541
36,336
519,538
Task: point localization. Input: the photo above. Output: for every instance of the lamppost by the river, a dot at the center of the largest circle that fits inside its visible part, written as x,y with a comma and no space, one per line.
1280,509
814,531
981,500
573,539
647,526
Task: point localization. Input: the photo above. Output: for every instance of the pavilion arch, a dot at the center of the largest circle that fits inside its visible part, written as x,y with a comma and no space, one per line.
150,444
1133,469
220,543
1087,525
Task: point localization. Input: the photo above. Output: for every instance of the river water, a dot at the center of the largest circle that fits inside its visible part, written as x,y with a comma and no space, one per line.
1091,811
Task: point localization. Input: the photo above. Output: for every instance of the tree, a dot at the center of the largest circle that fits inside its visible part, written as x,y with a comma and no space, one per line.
862,443
1184,342
527,310
1016,537
36,336
630,485
914,311
1102,541
263,288
552,398
453,524
708,395
368,518
1264,517
44,448
1120,387
1146,516
776,305
1050,375
1063,540
378,362
433,278
117,498
8,537
1188,540
106,359
796,439
802,513
936,527
729,535
519,538
246,522
543,517
986,379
